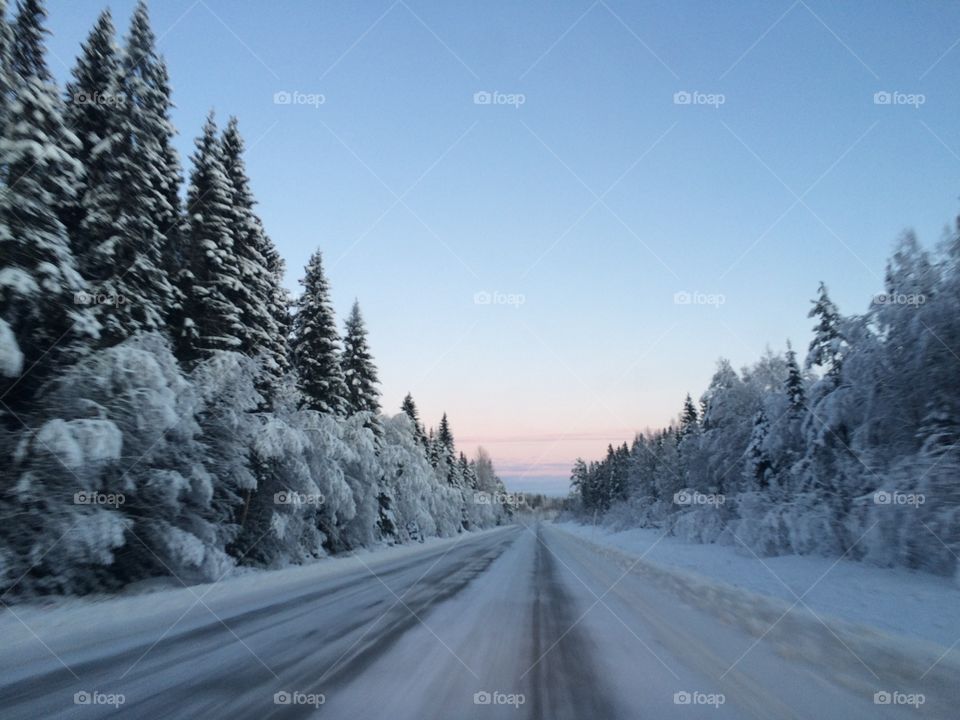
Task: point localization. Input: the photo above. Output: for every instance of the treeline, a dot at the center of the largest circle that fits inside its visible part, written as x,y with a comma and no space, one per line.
859,460
163,409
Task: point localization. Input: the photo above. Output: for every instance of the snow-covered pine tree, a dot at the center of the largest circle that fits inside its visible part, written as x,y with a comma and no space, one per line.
689,422
42,324
359,370
261,336
122,237
758,463
316,345
826,347
93,113
446,450
211,278
410,408
793,385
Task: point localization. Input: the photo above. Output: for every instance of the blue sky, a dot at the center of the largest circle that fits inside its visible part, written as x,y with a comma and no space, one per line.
584,210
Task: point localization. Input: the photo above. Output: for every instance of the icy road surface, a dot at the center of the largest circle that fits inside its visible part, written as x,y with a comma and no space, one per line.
519,622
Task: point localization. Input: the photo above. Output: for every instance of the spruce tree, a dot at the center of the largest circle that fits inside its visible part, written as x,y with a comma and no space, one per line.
446,449
793,385
316,346
827,345
410,408
39,279
152,168
359,371
211,279
688,419
262,335
121,237
758,464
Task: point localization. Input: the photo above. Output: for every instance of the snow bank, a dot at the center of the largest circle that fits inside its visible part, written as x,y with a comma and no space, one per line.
919,615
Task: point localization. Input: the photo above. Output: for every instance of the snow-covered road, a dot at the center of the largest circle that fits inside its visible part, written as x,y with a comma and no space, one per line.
519,622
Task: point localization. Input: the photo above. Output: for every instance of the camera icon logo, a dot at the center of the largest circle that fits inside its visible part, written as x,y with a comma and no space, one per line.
882,97
481,698
282,97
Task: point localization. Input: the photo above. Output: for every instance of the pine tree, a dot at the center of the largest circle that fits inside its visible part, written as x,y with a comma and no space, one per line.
446,449
42,321
316,345
689,421
211,279
758,462
410,408
93,112
793,385
359,371
121,239
152,168
827,345
445,435
262,334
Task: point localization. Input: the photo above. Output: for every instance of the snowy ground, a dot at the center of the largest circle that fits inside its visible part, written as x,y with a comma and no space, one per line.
518,622
899,601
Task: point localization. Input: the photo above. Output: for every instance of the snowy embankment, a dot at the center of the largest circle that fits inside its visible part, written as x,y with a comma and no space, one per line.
901,625
115,623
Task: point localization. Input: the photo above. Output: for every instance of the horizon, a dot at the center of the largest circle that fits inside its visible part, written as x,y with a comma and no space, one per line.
534,239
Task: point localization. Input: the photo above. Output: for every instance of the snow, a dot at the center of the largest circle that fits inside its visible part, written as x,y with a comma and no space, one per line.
11,358
894,600
145,606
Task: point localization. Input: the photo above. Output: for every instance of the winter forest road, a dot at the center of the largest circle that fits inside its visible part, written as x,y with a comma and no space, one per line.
518,622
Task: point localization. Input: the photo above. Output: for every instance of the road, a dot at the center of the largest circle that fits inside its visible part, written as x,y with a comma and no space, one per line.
519,622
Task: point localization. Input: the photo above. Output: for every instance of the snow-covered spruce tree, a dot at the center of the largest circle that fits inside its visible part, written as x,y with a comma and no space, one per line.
41,325
93,113
359,370
145,86
315,344
261,335
409,407
120,241
446,451
827,346
211,280
794,384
